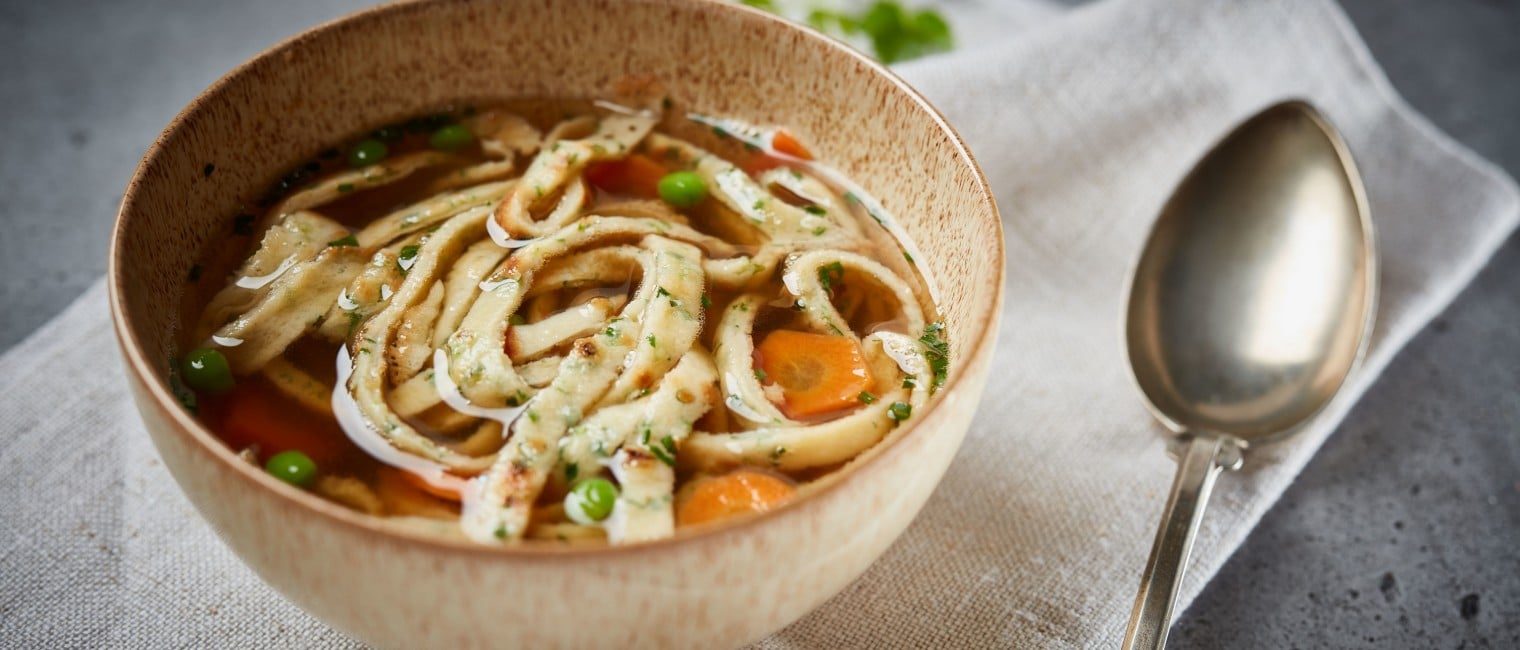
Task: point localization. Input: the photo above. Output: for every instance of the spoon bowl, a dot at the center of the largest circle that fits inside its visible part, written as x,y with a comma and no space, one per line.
1249,307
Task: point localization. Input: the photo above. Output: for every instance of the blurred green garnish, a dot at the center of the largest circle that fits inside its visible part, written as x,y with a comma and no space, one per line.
896,34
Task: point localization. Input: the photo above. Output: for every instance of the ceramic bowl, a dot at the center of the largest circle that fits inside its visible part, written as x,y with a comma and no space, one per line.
721,586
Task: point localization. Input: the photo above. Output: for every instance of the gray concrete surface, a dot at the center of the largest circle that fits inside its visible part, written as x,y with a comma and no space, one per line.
1401,533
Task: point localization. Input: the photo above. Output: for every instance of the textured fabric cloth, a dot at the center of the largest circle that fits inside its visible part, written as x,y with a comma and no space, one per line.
1083,121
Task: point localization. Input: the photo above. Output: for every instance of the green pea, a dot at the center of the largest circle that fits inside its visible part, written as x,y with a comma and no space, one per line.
206,370
293,467
683,189
591,500
367,152
451,138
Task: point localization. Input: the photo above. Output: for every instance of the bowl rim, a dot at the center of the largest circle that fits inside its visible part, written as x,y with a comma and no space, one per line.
141,368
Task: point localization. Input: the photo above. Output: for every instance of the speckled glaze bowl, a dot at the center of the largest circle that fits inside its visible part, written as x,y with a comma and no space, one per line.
711,588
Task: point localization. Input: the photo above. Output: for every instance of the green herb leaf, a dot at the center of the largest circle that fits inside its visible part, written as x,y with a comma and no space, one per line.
866,397
937,351
346,241
900,411
830,274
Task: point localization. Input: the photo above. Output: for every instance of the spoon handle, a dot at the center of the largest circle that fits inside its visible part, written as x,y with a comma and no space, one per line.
1197,468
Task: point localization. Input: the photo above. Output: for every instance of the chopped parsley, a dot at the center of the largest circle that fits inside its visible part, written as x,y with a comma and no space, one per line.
830,274
346,241
706,302
760,375
937,351
899,411
813,209
651,341
866,397
345,187
408,257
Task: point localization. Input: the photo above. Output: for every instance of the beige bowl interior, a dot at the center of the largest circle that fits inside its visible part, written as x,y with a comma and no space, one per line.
720,587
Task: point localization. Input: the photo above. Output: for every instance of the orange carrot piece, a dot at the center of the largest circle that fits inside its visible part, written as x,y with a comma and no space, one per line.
421,484
784,142
255,415
760,163
636,175
818,374
738,492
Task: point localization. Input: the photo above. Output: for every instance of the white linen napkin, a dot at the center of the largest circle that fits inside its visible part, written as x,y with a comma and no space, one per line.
1037,536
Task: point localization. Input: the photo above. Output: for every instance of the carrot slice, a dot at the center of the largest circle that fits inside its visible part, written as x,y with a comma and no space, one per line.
636,175
783,142
818,374
738,492
447,494
256,415
760,163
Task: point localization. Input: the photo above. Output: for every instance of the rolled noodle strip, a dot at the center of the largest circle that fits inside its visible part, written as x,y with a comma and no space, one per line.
463,285
491,170
682,397
375,335
366,294
731,186
529,341
744,271
503,133
539,372
413,348
835,212
734,347
644,508
499,506
477,361
342,184
804,279
790,448
295,304
640,209
555,170
415,396
670,324
799,447
296,238
298,385
430,211
598,267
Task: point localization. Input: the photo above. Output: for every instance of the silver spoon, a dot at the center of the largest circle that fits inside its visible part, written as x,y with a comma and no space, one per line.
1250,305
